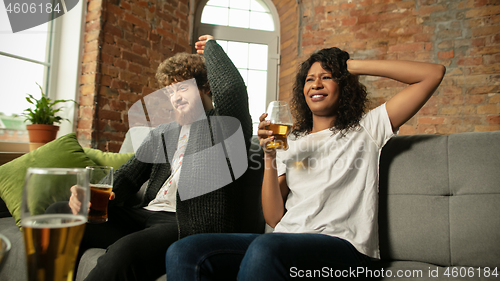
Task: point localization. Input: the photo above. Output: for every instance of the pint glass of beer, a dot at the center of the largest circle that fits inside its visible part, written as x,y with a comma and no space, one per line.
279,114
101,183
52,229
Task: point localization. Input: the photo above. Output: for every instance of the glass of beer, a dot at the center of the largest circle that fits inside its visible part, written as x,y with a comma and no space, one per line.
52,229
279,114
101,184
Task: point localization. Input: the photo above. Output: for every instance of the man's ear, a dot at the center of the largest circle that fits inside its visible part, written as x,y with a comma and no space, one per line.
208,92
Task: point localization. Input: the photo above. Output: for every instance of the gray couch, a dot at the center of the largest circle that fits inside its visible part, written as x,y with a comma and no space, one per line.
439,211
440,206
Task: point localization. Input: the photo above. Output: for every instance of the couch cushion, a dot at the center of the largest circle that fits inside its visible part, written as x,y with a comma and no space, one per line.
64,152
413,214
474,161
87,262
111,159
440,199
13,267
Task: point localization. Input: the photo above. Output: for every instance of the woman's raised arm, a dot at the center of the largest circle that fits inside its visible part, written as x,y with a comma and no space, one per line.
422,79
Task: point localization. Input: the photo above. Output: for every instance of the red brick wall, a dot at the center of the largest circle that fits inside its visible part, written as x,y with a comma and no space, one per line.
124,43
462,35
288,11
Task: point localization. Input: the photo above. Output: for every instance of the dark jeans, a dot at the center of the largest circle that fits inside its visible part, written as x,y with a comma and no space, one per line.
136,241
272,256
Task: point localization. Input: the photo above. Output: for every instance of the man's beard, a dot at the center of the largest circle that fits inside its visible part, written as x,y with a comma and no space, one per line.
189,116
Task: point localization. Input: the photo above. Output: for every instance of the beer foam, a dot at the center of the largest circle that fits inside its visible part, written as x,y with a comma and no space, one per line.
53,221
101,186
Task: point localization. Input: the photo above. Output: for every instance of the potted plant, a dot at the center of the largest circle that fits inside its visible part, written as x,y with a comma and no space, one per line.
43,119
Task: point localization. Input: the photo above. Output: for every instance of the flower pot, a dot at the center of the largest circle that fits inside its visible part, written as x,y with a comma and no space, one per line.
40,133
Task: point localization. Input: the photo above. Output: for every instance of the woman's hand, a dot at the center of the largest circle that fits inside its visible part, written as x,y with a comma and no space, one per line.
265,136
274,188
200,45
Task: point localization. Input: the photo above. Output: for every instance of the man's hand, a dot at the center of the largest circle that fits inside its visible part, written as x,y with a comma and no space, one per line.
200,45
75,202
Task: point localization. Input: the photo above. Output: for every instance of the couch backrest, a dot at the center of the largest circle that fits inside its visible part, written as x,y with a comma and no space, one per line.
440,199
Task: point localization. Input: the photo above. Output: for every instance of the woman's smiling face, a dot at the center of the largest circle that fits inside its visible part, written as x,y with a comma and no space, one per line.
321,91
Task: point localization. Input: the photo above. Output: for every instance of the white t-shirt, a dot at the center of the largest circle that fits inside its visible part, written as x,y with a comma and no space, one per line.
165,199
333,182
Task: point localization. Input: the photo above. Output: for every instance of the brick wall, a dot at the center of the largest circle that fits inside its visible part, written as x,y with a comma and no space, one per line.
125,41
288,11
462,35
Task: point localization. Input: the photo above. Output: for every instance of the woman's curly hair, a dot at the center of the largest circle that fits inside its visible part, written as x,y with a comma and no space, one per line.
183,66
352,95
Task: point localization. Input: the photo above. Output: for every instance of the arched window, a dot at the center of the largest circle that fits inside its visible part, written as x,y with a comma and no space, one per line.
248,31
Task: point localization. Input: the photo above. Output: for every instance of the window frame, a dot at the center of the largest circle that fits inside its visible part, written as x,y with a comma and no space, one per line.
67,57
270,38
47,65
64,55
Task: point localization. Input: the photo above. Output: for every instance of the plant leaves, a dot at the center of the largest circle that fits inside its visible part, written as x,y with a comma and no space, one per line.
44,113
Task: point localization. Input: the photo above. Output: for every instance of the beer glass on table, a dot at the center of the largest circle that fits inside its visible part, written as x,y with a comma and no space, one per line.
279,114
101,184
52,230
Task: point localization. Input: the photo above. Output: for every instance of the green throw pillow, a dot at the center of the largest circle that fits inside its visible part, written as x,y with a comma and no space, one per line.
64,152
112,159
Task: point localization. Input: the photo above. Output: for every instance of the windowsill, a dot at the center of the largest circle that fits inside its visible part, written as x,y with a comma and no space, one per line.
11,150
8,146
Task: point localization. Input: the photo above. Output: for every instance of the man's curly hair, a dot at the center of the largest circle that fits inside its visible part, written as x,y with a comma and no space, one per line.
181,67
352,94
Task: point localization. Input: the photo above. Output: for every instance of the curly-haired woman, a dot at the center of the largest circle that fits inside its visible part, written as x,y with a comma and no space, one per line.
320,195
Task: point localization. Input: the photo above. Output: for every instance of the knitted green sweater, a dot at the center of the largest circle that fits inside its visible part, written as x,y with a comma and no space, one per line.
213,212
